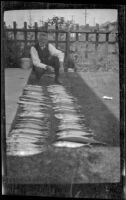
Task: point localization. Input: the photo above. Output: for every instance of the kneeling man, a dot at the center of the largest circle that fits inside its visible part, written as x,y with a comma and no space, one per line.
44,55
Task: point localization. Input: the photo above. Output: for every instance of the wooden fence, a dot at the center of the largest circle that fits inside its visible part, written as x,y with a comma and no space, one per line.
28,36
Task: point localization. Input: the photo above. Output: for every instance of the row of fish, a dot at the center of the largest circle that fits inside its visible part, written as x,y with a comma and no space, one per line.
30,132
72,131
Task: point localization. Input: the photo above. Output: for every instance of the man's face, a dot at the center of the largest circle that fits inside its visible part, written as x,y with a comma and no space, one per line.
43,41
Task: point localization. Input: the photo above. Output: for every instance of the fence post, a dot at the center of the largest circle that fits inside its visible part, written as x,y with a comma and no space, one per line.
67,51
106,44
15,32
36,31
96,42
56,38
86,50
77,36
25,35
67,44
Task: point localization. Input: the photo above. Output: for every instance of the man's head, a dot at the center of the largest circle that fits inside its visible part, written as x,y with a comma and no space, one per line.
42,38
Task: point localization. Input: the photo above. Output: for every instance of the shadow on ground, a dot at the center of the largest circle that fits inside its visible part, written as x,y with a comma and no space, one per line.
97,115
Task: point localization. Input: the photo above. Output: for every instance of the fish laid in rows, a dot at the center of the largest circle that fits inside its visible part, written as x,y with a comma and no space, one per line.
68,116
73,132
62,96
41,122
25,140
33,108
22,140
69,144
28,114
25,152
75,120
81,140
62,107
34,87
29,125
58,87
33,90
76,127
70,126
34,97
26,130
72,106
33,113
63,101
33,100
30,85
34,93
33,103
16,135
66,111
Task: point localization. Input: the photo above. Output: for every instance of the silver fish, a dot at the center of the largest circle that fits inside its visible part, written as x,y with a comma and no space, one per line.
32,119
31,113
69,144
22,140
32,103
26,130
32,108
34,93
33,86
63,101
33,89
67,116
17,135
41,98
82,140
74,133
26,152
62,127
32,100
36,86
29,125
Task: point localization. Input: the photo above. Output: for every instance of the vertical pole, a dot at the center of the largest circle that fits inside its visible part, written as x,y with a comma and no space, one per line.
96,49
76,36
56,38
67,51
36,31
67,44
14,27
106,45
25,35
86,48
15,32
96,42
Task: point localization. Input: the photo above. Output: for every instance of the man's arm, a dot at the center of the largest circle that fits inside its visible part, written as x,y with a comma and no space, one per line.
55,52
35,59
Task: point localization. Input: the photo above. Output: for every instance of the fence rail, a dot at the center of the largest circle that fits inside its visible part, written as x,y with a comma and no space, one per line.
67,40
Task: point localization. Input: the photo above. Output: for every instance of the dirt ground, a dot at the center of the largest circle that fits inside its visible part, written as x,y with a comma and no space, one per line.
97,164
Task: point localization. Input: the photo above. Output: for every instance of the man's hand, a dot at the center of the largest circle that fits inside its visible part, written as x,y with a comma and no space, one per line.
48,68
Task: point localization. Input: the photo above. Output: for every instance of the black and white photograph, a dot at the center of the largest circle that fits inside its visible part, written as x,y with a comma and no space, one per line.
61,80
